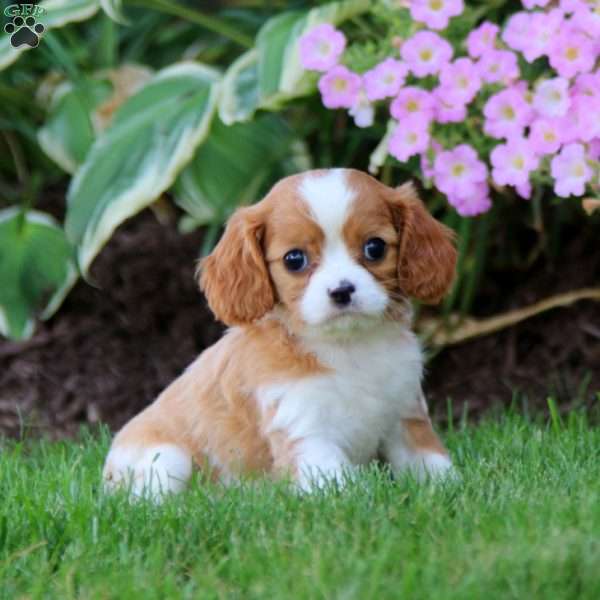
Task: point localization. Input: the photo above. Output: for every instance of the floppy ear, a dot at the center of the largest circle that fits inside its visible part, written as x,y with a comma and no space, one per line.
234,277
426,257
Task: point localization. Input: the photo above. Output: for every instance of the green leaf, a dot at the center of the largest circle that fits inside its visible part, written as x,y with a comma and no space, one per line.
271,74
68,132
231,166
36,270
114,9
153,135
56,14
239,93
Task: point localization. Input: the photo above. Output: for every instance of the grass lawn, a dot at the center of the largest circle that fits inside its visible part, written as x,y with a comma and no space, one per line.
523,522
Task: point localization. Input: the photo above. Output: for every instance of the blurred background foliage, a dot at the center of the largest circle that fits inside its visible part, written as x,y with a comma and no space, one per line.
125,105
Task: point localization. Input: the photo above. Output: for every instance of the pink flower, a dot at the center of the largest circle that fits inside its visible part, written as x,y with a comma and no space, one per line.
428,157
482,39
497,66
507,114
551,98
473,204
517,31
457,172
571,52
385,79
426,53
362,111
571,6
512,162
435,13
529,4
570,171
594,149
581,123
410,137
461,80
545,136
587,84
339,87
447,108
543,27
588,20
321,47
413,102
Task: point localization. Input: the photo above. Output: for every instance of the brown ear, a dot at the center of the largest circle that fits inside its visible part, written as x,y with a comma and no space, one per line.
427,257
234,277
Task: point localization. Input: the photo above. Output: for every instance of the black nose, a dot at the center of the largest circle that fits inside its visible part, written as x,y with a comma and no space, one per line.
342,294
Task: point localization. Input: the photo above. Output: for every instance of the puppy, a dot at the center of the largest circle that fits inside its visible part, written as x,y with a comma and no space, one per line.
319,371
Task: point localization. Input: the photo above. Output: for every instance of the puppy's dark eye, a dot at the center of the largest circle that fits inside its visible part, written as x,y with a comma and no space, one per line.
374,249
295,260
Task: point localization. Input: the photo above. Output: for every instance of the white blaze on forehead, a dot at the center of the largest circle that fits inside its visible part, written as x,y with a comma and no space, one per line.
329,199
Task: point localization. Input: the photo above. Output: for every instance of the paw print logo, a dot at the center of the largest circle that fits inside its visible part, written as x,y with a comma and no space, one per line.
24,31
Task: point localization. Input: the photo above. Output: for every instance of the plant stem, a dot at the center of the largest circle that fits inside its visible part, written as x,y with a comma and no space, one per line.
194,16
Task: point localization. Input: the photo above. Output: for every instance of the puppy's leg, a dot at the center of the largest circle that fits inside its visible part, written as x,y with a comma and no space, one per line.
414,445
147,461
320,462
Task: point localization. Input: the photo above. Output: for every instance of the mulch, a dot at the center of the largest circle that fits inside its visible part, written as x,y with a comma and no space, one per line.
114,345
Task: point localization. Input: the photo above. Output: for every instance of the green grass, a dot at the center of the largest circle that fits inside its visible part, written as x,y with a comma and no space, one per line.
522,522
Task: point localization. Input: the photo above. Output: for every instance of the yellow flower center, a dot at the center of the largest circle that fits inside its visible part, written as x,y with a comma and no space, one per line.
463,82
518,162
324,48
426,54
578,170
436,4
572,53
412,138
412,106
549,136
339,84
458,169
508,113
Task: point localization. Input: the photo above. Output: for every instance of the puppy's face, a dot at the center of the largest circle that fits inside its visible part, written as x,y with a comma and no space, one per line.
334,250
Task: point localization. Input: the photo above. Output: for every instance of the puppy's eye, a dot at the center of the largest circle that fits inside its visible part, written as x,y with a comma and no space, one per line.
374,249
295,260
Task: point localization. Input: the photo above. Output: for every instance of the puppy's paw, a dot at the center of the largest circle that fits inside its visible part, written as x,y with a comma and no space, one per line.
147,472
432,465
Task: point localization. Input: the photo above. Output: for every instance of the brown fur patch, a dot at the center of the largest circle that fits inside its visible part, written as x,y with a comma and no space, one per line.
422,437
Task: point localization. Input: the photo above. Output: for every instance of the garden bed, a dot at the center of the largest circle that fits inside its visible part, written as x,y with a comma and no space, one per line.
113,346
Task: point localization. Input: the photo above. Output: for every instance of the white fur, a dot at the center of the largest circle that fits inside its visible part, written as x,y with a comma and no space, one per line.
342,418
149,472
329,200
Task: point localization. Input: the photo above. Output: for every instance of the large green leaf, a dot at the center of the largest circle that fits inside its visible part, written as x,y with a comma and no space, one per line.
78,112
153,135
56,14
272,74
231,166
68,132
36,270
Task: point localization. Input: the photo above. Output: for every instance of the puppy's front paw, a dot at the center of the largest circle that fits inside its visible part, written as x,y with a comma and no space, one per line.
147,472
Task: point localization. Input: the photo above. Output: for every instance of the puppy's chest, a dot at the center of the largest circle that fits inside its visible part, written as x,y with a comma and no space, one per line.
369,386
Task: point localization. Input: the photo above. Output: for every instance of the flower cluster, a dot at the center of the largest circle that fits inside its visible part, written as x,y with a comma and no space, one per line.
537,128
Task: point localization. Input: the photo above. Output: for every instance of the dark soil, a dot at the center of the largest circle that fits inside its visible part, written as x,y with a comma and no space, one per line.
112,348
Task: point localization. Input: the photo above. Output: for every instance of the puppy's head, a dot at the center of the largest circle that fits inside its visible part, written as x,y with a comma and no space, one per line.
332,249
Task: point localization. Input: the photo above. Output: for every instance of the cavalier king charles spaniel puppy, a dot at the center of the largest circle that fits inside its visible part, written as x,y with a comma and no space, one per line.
319,372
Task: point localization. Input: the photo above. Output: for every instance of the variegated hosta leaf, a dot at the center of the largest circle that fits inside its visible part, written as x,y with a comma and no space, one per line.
68,132
36,270
79,112
56,14
231,166
275,75
153,135
114,9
